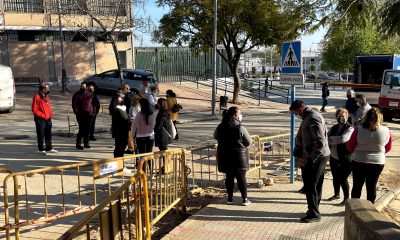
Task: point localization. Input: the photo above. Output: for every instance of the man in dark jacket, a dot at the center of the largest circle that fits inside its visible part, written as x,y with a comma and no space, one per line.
314,139
42,113
82,104
325,95
128,96
351,105
96,105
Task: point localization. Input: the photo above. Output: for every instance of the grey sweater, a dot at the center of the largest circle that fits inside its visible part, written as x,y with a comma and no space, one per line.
314,135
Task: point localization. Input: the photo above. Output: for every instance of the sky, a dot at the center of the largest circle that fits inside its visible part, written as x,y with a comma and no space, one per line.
309,42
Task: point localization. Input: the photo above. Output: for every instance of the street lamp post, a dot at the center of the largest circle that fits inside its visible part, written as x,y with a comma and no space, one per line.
214,60
63,71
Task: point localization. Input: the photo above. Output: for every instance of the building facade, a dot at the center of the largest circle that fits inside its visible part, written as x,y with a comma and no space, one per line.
30,37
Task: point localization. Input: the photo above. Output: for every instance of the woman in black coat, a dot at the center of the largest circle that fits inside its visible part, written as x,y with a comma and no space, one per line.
233,140
120,125
163,128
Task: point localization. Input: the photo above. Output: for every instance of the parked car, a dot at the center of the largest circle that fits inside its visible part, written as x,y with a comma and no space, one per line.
138,80
7,89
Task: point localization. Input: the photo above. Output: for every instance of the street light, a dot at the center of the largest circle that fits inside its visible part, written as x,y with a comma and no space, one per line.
214,60
63,71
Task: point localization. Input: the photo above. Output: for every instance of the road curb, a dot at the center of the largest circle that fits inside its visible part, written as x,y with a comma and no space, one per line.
196,120
383,201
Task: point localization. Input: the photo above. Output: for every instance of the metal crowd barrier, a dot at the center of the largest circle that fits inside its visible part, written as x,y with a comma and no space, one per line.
72,189
126,208
167,184
59,191
203,167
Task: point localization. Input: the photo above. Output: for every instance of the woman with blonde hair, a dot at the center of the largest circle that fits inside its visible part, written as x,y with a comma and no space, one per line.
369,143
340,159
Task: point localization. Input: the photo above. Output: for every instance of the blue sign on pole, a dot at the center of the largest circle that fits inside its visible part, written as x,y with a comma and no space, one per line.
291,57
292,74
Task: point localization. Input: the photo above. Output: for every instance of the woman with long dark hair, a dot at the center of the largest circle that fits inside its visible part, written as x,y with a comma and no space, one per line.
233,141
120,125
143,127
163,128
369,143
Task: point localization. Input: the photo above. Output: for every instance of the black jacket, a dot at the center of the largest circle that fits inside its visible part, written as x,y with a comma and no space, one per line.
325,91
120,124
343,154
232,152
162,129
351,105
128,100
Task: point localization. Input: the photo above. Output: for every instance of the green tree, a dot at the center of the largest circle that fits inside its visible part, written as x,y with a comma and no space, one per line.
346,39
242,25
390,15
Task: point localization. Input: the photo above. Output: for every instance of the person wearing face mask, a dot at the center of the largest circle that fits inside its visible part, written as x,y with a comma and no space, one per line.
314,140
351,105
42,113
153,96
340,160
359,115
120,125
82,105
96,104
233,141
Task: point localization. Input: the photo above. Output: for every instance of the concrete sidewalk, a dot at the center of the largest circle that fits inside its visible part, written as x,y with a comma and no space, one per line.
275,213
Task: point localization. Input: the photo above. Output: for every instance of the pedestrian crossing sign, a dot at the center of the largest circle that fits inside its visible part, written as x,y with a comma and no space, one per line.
291,57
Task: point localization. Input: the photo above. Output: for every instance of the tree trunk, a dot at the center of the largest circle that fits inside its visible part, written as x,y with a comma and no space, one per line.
236,81
115,49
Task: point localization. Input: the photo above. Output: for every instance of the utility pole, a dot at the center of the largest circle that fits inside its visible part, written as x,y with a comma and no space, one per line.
214,60
63,71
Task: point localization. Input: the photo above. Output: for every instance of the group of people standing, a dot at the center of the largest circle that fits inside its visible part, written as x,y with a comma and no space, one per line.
356,143
138,123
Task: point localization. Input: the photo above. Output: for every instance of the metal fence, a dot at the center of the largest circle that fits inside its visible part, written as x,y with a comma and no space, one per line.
171,63
127,206
203,168
42,195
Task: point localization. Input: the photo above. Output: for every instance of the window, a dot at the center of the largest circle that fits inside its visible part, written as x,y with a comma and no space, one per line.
108,7
109,74
28,6
68,6
392,78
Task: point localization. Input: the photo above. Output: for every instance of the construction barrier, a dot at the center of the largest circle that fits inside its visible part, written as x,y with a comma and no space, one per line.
203,167
126,208
52,193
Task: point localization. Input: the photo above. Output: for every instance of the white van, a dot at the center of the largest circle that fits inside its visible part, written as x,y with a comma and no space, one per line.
389,99
7,89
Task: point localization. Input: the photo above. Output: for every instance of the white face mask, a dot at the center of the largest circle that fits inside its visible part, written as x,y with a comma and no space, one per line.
122,107
240,117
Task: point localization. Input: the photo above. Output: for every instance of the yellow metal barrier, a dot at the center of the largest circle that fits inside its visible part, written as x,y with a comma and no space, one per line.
203,168
166,174
51,193
130,197
56,192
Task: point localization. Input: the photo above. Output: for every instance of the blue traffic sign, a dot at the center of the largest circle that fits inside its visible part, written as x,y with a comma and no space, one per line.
291,57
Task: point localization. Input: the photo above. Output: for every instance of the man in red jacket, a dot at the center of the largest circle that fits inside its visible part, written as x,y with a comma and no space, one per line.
41,110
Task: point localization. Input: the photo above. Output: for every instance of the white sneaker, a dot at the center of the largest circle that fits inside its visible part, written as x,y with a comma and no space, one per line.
126,170
246,202
42,152
53,150
229,202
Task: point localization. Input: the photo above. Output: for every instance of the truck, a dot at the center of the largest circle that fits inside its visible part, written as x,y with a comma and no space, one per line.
389,97
369,70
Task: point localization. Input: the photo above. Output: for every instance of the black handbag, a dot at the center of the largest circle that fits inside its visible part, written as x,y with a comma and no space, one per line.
176,108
